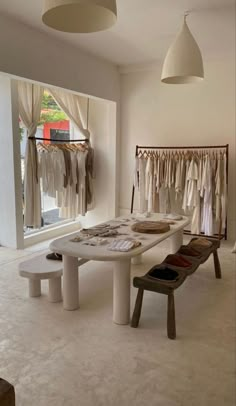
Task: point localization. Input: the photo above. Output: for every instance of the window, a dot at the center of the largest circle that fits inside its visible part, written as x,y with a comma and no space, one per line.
55,125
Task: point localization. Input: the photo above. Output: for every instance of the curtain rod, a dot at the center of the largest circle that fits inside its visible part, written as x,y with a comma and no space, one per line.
54,140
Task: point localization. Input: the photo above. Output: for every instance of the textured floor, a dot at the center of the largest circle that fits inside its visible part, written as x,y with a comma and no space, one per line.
59,358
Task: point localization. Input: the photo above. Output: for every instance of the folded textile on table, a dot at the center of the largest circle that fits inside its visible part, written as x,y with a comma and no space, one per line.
173,217
178,260
167,221
99,232
123,245
77,238
203,242
189,251
95,241
144,215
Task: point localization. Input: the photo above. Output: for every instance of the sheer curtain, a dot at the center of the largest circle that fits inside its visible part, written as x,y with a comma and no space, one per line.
71,104
30,100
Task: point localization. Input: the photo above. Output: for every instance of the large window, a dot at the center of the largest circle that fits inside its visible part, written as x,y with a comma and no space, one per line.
53,125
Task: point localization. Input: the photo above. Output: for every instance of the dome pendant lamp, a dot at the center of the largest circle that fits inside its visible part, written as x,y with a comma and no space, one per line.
79,16
183,62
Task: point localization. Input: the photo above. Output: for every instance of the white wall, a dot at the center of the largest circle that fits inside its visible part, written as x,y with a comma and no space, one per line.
176,115
34,55
11,216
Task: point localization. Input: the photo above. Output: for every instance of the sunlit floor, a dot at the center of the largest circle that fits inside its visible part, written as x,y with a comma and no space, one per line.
80,358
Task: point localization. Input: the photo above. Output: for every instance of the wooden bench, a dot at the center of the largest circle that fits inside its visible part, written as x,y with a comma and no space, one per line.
38,268
7,393
165,278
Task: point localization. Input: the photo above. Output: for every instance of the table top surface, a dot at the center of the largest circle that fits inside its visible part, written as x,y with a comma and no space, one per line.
65,246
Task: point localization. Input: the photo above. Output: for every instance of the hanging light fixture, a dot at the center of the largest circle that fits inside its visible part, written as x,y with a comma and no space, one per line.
79,16
183,62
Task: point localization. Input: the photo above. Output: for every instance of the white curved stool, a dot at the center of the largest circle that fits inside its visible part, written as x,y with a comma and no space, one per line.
39,268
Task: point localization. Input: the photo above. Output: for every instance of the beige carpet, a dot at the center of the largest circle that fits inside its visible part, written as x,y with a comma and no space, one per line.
59,358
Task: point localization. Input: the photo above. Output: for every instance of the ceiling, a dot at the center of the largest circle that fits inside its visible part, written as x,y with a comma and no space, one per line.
144,29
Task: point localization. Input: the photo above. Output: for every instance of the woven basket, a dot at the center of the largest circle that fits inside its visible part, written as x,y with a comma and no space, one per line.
150,227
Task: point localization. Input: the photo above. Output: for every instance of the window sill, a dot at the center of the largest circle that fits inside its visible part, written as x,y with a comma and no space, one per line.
54,232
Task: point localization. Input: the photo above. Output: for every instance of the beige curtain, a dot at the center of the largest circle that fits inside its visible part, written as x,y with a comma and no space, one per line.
30,99
71,104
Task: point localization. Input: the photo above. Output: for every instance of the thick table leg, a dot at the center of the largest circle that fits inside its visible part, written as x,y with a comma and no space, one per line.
54,295
121,292
70,283
137,260
34,287
176,241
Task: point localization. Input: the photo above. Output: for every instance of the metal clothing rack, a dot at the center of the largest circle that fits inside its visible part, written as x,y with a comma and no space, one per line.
204,147
54,140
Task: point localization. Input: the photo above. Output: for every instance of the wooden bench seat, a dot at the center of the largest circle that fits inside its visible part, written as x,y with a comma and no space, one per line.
153,282
7,393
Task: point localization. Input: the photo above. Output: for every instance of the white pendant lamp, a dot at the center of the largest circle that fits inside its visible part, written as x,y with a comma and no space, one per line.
183,62
79,16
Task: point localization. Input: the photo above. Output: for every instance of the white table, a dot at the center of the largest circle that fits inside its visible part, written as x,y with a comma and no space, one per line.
71,251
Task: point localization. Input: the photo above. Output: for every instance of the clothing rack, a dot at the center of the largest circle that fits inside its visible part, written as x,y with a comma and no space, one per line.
202,147
54,140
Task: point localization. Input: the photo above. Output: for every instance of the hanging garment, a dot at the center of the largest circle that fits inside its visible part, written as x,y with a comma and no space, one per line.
206,193
173,170
185,197
178,179
141,171
43,169
30,99
81,158
162,169
155,202
224,192
214,163
167,184
90,175
149,192
66,172
136,172
219,186
190,181
193,199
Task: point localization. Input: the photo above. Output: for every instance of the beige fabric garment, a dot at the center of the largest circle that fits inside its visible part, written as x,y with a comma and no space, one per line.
30,99
224,196
71,104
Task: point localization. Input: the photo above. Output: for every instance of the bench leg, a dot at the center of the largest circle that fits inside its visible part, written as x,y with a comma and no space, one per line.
171,329
217,265
55,295
34,287
137,309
